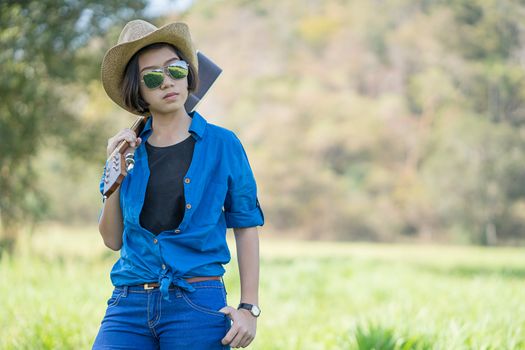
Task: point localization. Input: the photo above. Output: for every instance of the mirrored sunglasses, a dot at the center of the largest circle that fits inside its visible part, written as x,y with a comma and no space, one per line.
154,78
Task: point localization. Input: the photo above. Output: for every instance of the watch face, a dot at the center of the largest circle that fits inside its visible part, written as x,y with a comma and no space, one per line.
256,311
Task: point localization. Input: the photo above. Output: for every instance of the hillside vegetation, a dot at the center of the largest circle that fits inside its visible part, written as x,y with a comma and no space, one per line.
363,120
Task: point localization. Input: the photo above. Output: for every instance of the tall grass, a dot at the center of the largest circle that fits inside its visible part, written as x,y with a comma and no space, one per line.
313,295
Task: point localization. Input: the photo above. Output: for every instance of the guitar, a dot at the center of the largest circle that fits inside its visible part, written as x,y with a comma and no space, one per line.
121,161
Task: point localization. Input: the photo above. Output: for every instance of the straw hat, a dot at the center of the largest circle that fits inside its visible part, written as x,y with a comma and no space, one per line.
136,35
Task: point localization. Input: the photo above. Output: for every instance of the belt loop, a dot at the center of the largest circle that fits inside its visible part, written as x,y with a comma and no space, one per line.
125,292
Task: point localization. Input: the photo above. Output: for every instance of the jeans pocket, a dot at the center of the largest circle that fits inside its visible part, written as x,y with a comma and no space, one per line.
207,298
115,297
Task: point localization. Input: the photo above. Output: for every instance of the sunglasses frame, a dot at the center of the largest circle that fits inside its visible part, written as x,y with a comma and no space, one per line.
165,71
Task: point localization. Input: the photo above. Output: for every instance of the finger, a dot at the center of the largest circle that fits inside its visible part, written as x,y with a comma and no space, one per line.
243,340
126,132
229,336
112,146
117,144
240,337
130,139
136,142
117,139
246,340
236,340
112,141
232,335
228,310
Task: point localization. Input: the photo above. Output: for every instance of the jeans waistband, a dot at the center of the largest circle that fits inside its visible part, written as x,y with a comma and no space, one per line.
156,285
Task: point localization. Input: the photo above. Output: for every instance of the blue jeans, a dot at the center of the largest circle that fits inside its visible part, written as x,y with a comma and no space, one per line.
141,319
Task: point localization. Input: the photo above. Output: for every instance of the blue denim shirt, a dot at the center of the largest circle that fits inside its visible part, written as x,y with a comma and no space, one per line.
220,192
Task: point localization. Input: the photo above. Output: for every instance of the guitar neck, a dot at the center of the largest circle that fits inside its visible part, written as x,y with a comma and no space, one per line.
139,124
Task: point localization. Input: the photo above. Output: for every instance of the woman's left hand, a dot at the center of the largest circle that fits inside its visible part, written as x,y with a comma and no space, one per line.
242,331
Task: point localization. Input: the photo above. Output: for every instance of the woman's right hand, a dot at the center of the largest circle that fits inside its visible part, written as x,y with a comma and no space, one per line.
124,134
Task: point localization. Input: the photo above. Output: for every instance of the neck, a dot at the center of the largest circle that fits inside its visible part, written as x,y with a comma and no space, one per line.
169,128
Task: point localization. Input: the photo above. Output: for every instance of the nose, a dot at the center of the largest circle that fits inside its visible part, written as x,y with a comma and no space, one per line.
167,81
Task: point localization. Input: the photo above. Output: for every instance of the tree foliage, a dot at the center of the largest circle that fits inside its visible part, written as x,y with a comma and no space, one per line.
381,120
376,120
43,56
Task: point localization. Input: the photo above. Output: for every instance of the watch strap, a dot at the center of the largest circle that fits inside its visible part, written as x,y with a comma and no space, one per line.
250,308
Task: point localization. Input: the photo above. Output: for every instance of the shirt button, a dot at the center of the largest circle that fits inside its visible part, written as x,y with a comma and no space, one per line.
163,267
187,180
177,231
188,206
155,241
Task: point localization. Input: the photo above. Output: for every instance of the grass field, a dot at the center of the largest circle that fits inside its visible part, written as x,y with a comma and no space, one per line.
314,295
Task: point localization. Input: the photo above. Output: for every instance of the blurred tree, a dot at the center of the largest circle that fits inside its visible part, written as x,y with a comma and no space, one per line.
43,53
376,120
486,29
379,120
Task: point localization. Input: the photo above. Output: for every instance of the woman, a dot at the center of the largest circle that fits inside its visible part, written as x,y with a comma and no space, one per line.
191,181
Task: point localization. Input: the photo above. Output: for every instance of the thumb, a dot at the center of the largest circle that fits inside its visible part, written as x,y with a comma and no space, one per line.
134,145
228,310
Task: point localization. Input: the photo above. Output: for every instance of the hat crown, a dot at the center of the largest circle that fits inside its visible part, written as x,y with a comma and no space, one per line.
135,30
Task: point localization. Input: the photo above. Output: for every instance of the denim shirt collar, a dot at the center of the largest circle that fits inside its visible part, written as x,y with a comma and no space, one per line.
197,127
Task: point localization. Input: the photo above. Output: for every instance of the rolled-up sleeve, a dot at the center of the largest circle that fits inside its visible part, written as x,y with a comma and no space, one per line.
241,206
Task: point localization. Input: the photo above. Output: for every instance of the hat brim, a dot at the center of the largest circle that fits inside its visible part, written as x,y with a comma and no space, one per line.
115,60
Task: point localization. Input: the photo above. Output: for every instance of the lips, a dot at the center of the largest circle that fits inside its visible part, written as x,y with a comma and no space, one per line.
170,94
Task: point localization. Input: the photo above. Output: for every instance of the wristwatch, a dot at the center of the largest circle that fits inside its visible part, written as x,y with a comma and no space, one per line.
254,309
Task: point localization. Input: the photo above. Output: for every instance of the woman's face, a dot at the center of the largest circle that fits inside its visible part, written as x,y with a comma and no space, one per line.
156,98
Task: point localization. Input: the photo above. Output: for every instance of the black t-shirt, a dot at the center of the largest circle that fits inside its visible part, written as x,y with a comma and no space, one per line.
164,203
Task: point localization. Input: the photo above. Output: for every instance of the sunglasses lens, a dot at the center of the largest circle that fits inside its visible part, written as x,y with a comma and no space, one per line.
153,79
178,70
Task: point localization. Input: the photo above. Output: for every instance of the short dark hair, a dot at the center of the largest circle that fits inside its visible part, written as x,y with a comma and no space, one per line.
130,84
